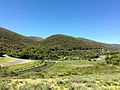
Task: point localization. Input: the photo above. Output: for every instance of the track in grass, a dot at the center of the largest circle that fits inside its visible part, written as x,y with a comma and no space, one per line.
33,69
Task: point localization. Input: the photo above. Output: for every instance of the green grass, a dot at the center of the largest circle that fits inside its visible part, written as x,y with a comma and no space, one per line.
81,75
69,75
25,66
4,60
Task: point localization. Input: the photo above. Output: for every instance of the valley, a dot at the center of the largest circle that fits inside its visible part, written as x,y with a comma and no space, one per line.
59,62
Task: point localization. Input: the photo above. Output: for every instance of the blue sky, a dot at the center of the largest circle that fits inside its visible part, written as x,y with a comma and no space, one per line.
93,19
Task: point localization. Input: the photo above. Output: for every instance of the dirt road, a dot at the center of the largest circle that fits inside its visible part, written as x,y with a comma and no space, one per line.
15,61
33,69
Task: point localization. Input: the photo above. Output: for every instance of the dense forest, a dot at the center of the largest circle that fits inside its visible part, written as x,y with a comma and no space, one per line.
53,47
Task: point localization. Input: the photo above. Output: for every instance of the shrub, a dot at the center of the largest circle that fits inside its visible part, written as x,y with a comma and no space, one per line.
114,61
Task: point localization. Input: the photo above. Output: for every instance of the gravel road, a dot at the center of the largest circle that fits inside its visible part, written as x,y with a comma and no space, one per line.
15,61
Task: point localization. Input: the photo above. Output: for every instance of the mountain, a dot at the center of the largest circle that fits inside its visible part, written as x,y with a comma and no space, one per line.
71,43
35,38
9,39
115,46
53,47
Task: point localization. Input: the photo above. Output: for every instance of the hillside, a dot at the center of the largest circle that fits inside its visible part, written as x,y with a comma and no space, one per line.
115,46
9,39
53,47
35,38
71,43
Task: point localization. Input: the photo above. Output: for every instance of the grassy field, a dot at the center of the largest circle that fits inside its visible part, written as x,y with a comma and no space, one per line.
4,60
25,66
68,75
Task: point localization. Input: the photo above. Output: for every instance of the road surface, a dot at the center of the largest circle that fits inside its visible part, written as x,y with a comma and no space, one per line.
15,61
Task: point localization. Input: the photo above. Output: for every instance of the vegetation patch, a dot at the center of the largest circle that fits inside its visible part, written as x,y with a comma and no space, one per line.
4,60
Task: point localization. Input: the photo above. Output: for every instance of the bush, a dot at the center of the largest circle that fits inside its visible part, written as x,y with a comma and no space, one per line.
1,53
4,86
114,61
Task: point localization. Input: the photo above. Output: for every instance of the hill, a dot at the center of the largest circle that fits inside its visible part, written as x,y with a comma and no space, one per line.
71,43
9,39
115,46
53,47
35,38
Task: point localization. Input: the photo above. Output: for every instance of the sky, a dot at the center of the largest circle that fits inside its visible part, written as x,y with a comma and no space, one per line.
93,19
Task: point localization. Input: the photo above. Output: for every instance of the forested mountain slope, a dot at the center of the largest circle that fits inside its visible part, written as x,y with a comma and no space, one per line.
53,47
115,46
71,43
9,39
35,38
